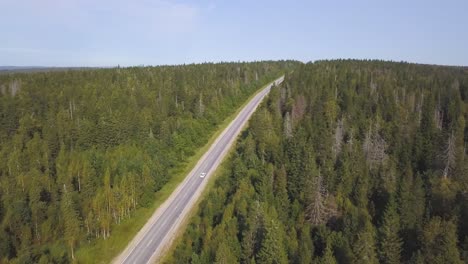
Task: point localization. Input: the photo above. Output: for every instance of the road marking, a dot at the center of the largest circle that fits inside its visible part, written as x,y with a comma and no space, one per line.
147,245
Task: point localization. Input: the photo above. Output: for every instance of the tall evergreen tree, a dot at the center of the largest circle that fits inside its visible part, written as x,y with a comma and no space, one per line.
439,242
389,240
272,250
364,247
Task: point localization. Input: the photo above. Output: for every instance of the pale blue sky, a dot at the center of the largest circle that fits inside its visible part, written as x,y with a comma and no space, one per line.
136,32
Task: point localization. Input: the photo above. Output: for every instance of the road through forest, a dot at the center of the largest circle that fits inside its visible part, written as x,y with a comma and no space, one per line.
159,231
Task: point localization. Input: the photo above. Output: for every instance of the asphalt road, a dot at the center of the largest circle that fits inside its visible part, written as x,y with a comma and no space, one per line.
160,230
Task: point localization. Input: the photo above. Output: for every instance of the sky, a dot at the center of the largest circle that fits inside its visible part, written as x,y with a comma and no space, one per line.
158,32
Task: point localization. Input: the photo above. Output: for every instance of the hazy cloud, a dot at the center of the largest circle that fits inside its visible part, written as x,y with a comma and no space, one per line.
87,28
131,32
88,15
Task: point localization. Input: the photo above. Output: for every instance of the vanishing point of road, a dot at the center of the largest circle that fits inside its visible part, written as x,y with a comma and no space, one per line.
159,231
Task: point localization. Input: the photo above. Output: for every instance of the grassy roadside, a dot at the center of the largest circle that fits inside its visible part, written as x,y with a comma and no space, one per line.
222,169
103,251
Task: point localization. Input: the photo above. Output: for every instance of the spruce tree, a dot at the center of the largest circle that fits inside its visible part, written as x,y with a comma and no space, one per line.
272,250
389,240
364,247
439,242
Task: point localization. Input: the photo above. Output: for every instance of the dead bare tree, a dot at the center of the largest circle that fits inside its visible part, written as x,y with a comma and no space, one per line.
438,118
373,86
71,108
201,106
411,102
283,96
338,137
367,144
15,86
396,96
379,147
350,138
288,126
316,210
419,108
298,108
374,147
449,155
438,115
322,206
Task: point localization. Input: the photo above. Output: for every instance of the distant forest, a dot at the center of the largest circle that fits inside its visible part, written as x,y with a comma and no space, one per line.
346,162
81,150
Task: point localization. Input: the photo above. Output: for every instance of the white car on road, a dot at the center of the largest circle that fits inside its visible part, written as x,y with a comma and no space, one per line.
202,175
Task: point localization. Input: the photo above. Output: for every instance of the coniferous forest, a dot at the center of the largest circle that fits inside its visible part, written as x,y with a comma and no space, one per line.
81,150
346,162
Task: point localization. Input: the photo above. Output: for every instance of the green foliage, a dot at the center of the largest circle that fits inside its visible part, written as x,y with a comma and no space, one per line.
84,149
390,242
328,257
364,247
440,242
350,161
272,248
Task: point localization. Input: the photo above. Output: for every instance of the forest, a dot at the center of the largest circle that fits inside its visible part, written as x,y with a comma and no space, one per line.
81,150
347,161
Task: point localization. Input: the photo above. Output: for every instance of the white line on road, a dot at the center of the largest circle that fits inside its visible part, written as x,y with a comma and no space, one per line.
149,243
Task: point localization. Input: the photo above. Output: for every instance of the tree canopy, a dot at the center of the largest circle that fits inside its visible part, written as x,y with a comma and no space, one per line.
82,149
346,162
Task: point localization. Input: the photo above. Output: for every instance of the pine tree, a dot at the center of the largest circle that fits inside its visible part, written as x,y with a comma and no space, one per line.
317,211
281,194
364,247
439,242
412,206
224,254
389,241
306,246
328,257
272,250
